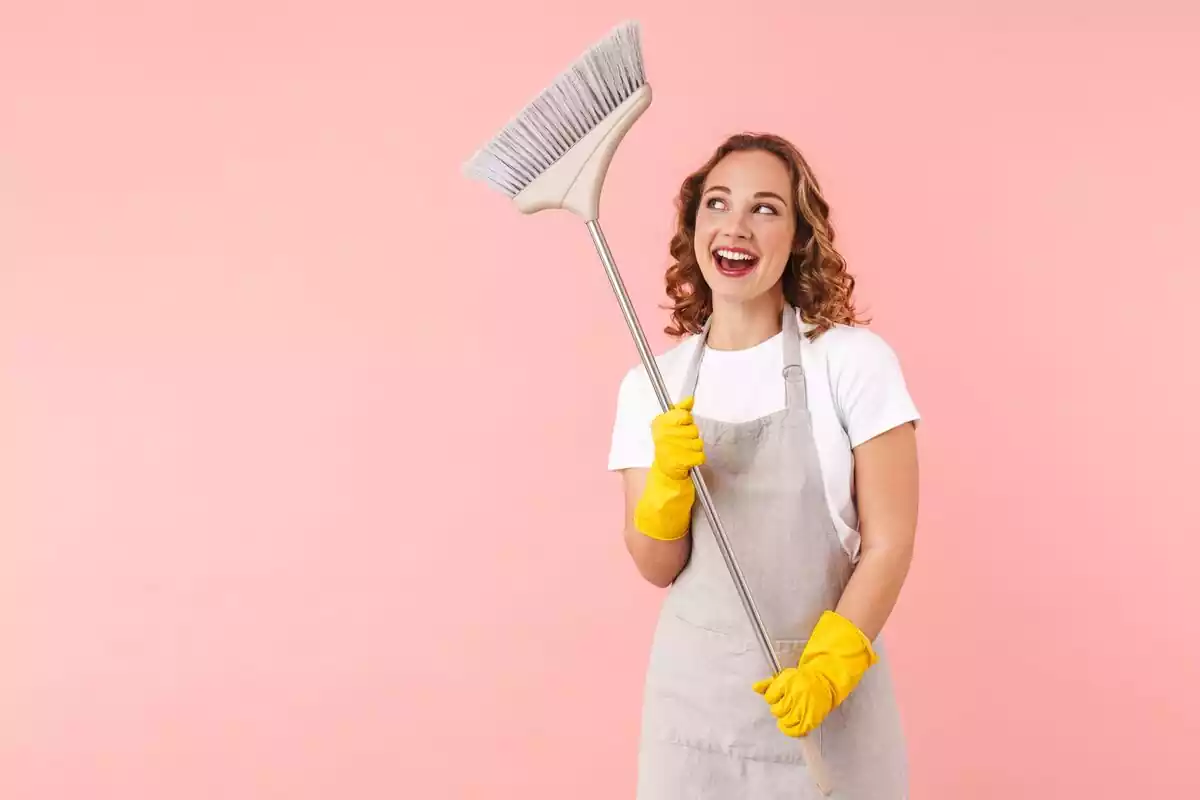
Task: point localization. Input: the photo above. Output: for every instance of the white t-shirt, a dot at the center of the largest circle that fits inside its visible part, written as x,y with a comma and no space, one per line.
855,387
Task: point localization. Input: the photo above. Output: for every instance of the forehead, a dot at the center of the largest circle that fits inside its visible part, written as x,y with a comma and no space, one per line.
751,171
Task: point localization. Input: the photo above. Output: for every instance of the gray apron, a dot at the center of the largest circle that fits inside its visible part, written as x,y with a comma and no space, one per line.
706,734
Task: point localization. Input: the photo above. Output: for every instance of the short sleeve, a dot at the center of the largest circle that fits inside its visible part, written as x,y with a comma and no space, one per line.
632,444
869,389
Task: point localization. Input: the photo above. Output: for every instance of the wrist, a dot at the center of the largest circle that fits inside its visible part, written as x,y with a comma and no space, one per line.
839,652
833,625
663,511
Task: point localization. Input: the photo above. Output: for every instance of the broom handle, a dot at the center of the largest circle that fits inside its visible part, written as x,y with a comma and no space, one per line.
812,755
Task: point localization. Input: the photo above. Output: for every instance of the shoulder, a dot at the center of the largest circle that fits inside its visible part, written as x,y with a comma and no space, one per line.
637,405
636,392
846,345
851,355
865,379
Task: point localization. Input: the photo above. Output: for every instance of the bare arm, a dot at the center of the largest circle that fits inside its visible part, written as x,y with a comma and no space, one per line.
885,476
658,562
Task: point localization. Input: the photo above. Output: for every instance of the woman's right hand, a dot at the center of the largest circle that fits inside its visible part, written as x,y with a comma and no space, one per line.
664,510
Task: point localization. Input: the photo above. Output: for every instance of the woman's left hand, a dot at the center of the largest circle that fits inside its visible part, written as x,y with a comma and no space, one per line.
833,662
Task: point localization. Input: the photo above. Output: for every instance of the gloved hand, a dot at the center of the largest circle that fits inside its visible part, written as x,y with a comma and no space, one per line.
834,660
664,511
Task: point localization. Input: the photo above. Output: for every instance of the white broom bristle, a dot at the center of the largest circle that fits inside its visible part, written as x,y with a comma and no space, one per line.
578,100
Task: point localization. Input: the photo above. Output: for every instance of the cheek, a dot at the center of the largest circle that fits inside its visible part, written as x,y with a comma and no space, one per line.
777,240
702,240
781,237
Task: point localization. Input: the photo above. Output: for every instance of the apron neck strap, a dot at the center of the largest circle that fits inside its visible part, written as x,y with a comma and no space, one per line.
793,365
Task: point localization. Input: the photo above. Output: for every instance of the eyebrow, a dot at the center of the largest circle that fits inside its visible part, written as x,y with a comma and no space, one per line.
757,195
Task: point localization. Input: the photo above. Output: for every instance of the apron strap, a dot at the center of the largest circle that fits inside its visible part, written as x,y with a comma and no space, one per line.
793,366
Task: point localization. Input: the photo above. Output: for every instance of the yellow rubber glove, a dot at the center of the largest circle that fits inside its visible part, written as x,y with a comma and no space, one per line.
833,662
664,511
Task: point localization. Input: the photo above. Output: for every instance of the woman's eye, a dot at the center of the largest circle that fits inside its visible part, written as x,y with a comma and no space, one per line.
718,204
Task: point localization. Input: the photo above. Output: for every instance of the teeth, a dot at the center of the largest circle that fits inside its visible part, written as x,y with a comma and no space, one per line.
733,255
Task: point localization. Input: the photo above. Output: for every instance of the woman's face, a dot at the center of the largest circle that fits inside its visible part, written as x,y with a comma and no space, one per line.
745,225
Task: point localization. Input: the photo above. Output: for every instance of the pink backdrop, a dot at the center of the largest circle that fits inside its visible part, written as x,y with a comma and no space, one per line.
302,436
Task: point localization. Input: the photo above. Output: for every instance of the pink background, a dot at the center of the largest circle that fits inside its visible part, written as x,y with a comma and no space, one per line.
302,436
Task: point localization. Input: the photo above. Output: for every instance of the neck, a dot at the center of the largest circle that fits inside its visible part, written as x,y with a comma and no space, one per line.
743,324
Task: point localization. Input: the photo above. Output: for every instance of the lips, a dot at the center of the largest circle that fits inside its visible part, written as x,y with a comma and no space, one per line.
734,262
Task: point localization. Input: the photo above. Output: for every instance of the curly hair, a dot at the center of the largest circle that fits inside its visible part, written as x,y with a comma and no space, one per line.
815,280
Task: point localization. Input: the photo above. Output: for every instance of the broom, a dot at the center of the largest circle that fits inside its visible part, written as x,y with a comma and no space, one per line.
554,155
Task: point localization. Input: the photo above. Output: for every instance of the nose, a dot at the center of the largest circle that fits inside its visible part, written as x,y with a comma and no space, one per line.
738,227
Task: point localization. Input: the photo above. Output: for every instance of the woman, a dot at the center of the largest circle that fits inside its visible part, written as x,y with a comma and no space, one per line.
802,425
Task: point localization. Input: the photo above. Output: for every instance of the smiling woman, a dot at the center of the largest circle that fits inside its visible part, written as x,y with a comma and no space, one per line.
804,429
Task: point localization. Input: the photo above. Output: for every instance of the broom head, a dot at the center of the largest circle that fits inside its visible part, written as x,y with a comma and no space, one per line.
555,153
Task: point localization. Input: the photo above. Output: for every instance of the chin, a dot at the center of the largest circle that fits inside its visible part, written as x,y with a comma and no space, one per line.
738,289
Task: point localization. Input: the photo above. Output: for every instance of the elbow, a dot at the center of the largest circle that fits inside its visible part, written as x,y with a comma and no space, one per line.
660,579
897,556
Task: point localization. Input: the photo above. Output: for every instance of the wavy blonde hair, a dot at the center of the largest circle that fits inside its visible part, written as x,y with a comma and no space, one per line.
815,279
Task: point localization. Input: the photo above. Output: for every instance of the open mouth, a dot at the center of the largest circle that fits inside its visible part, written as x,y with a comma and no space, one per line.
734,261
